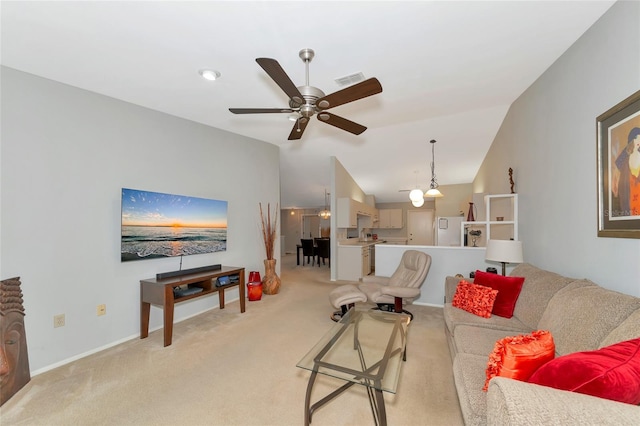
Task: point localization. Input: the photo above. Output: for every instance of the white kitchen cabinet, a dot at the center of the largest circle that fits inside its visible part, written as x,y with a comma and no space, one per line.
390,219
354,261
366,261
347,213
350,210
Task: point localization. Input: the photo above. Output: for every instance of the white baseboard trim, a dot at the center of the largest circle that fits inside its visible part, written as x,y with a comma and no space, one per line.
117,342
428,304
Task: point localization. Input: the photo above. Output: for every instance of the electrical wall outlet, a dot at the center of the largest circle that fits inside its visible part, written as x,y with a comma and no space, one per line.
101,310
58,321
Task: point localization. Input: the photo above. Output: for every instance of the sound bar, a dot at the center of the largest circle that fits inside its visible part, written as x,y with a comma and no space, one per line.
172,274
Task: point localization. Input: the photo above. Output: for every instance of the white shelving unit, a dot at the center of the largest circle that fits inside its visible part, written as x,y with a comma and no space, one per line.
501,220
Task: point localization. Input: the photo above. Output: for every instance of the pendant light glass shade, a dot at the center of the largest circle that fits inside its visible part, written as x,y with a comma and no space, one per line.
433,193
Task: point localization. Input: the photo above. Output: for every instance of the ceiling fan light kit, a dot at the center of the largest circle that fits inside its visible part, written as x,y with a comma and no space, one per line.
308,101
416,195
418,203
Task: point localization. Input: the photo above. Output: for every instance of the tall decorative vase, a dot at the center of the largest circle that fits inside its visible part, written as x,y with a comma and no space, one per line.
271,281
470,217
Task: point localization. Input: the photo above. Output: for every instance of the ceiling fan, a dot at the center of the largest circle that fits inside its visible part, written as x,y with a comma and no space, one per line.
308,101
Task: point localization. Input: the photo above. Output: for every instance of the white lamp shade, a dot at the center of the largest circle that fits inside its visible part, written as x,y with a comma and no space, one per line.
416,195
507,251
418,203
433,193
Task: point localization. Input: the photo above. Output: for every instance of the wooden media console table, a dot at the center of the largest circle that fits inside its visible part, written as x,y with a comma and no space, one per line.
160,293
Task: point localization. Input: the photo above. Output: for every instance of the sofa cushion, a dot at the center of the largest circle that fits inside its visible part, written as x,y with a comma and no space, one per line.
480,341
612,372
581,316
473,298
508,291
518,357
538,288
469,377
511,402
454,318
627,330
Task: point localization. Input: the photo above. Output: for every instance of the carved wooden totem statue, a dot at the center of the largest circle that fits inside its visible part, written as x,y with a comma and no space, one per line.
14,362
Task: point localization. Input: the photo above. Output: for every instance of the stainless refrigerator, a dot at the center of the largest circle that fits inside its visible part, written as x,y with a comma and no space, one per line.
448,230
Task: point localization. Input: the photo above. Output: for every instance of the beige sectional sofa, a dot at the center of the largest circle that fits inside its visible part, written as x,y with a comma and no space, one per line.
580,315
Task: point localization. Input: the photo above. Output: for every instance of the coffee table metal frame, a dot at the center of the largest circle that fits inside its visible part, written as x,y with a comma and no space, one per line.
372,372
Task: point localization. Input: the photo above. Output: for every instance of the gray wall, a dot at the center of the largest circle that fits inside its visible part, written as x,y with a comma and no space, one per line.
549,139
66,153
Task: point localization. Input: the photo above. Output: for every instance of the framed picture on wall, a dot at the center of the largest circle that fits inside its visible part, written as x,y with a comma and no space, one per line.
618,151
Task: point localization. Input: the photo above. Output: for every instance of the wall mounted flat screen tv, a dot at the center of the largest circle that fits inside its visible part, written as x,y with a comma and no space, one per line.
157,225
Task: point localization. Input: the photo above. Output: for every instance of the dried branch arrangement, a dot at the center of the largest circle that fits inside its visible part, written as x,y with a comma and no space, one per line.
269,229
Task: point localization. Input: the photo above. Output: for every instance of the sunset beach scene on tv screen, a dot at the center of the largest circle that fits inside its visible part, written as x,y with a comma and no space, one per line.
157,225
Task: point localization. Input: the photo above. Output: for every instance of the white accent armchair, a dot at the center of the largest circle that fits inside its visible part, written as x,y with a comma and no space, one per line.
403,287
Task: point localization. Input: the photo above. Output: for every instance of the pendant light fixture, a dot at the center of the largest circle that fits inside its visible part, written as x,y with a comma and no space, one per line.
433,191
416,195
326,213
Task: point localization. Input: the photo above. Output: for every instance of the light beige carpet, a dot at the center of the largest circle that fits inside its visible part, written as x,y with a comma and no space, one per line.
227,368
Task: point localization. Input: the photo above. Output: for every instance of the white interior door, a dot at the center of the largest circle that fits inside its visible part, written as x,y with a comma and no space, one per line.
310,226
420,227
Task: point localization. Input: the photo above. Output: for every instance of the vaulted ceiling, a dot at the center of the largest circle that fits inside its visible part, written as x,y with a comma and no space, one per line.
449,71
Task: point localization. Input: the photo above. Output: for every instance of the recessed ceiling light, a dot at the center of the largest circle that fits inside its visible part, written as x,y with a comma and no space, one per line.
210,74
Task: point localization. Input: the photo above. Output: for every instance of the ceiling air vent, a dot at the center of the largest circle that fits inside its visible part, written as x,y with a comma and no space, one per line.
349,80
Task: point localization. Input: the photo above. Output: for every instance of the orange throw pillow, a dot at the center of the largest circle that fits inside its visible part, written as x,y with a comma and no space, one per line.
473,298
518,357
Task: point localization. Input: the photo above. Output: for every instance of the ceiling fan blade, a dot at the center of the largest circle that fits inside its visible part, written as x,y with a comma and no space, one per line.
298,128
260,110
277,74
341,123
352,93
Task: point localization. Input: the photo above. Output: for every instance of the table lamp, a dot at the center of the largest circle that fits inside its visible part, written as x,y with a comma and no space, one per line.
504,251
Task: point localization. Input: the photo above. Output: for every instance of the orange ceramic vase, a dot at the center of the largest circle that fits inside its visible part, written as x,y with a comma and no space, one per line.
271,281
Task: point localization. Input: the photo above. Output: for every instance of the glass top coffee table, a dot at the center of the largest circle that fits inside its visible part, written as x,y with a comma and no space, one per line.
366,347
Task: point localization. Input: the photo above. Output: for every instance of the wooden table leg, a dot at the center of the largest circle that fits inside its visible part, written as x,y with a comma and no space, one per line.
168,315
221,297
145,310
242,291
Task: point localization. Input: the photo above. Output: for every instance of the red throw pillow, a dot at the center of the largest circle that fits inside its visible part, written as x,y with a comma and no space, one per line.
474,298
612,372
508,291
518,357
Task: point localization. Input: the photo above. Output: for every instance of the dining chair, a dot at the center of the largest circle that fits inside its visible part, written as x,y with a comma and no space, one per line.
308,251
323,251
